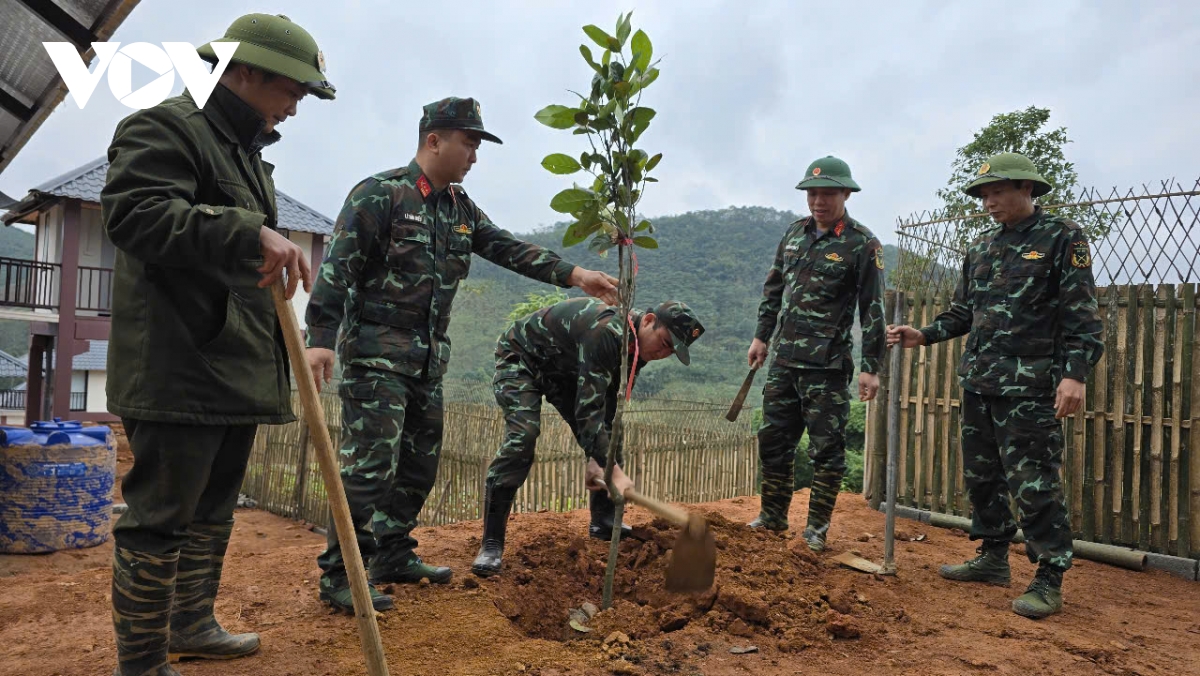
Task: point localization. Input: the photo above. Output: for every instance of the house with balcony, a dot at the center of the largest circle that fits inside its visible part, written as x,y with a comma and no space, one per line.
64,291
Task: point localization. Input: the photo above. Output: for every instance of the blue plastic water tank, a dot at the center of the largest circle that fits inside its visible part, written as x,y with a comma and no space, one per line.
56,481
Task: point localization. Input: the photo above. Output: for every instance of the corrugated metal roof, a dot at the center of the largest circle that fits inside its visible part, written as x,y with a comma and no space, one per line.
85,182
30,86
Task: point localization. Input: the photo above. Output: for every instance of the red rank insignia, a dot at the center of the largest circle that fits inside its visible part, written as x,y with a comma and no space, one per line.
837,230
424,187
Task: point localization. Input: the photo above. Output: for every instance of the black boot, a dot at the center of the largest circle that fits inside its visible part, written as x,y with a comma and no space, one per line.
603,510
495,523
143,586
195,632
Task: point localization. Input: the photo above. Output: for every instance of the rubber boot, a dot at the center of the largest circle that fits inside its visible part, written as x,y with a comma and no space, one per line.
495,523
411,571
195,632
1043,598
143,587
335,590
822,498
991,566
776,499
604,510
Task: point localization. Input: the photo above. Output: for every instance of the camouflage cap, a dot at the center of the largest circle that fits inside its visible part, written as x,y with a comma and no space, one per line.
455,113
683,324
828,172
1008,167
277,45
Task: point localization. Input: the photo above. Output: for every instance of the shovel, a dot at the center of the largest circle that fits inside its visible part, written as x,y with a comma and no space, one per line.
694,556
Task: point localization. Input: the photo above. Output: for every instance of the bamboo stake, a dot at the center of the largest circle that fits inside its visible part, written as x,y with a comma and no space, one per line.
1121,380
1098,447
1193,473
931,382
902,485
947,385
1176,422
1145,324
314,415
919,416
1157,407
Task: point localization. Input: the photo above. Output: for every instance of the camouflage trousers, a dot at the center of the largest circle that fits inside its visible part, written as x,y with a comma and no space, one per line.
795,400
1013,446
519,395
391,442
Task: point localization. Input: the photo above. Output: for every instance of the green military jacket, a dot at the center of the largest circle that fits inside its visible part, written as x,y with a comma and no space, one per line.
811,291
398,253
1028,299
572,349
194,340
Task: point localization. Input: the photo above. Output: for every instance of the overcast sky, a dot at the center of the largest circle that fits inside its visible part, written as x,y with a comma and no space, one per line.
751,91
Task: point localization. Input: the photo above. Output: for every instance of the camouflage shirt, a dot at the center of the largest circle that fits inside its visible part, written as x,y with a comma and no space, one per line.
1028,299
811,291
398,253
572,350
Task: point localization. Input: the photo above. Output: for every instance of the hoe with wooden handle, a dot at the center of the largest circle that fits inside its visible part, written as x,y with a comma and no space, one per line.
694,556
314,416
736,407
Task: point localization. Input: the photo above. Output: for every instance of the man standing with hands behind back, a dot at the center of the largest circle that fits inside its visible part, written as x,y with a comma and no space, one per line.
825,265
1027,299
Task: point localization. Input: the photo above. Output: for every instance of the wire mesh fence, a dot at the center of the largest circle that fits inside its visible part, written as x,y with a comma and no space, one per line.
1140,235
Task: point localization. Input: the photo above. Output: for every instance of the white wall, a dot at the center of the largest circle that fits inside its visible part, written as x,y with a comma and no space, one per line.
306,242
97,402
91,237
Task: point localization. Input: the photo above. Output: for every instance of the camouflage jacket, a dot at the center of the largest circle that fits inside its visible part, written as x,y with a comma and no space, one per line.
1028,299
572,350
398,253
811,292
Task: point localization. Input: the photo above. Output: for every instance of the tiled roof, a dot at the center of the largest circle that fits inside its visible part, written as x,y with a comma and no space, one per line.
95,359
84,183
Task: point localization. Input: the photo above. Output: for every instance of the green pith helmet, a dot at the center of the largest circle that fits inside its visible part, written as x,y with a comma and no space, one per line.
276,45
828,172
1008,167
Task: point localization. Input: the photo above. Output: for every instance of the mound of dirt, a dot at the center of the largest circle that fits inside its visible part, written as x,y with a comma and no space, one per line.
766,587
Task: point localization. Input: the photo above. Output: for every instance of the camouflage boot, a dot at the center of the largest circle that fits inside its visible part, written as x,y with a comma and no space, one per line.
1043,598
991,566
142,589
495,523
822,498
335,590
195,632
776,499
604,510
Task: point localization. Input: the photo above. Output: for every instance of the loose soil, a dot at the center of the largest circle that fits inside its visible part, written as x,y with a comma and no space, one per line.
803,613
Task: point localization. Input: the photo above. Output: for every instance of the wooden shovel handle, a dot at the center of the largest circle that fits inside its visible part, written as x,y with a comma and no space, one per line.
675,515
314,416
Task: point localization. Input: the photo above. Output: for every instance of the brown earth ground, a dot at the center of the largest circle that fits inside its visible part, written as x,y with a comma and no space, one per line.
802,612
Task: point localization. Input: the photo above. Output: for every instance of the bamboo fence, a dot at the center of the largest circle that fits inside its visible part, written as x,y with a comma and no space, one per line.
1131,465
676,451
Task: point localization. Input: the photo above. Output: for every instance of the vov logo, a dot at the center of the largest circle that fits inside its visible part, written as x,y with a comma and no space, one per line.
118,62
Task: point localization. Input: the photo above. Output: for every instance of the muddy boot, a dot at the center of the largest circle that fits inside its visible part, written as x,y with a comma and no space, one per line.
991,566
336,592
142,589
195,632
822,498
815,537
495,523
604,510
775,501
411,571
1043,598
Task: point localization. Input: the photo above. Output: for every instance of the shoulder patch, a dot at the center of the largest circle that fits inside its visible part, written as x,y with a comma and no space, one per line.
877,255
1081,254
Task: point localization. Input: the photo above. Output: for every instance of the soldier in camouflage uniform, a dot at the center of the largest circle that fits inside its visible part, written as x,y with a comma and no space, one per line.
1027,301
196,357
402,244
570,353
825,264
